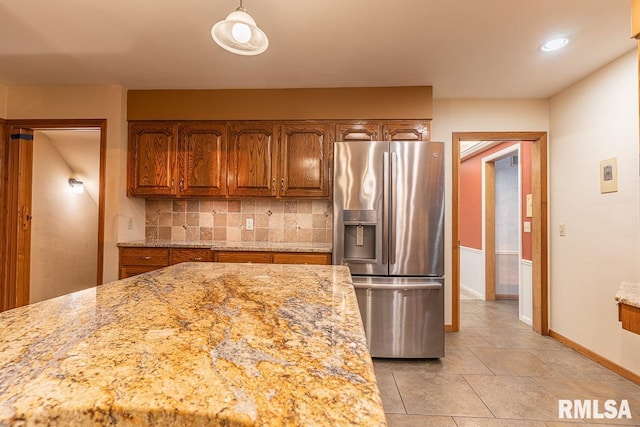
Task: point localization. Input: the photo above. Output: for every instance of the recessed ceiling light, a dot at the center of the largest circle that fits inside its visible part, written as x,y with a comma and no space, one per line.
554,44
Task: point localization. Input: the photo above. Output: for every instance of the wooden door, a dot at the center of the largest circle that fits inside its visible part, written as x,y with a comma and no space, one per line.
202,160
151,159
358,131
407,130
304,160
252,156
17,226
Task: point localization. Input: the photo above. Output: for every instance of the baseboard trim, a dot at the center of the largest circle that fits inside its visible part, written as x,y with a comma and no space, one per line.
624,372
448,328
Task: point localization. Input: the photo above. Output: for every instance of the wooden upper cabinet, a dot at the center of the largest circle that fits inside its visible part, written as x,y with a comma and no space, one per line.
252,156
305,160
384,130
359,131
409,130
202,160
151,159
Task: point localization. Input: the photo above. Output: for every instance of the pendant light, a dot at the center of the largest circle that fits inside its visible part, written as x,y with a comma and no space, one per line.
239,34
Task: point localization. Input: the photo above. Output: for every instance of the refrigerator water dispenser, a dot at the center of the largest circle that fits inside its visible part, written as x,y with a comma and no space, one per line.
360,234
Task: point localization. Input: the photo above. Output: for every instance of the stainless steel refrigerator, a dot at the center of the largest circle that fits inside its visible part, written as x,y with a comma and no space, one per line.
388,228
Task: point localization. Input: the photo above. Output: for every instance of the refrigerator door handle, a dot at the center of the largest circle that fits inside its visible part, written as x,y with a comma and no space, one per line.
396,286
394,207
385,207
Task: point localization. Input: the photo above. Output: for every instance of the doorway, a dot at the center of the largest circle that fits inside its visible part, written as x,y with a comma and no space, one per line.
538,222
64,223
42,157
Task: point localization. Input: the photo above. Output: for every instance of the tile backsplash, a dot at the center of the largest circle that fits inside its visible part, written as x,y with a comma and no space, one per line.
282,221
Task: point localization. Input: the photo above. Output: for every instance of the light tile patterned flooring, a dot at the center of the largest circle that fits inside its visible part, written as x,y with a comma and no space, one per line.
497,372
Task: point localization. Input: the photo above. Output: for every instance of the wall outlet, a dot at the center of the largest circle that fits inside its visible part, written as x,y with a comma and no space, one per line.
249,224
130,223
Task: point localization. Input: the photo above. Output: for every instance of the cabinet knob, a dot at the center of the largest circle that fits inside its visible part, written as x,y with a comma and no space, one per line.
282,185
197,259
147,258
182,185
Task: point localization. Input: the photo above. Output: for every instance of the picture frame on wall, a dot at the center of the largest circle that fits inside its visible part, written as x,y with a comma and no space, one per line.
609,175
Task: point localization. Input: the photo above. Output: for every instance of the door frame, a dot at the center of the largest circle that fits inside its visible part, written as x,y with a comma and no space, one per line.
539,221
14,282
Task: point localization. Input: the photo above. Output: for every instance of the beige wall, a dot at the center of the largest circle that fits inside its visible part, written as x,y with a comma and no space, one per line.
3,101
595,119
64,241
407,102
91,102
478,115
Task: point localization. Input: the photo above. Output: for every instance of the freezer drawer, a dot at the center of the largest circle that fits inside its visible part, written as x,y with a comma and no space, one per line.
403,320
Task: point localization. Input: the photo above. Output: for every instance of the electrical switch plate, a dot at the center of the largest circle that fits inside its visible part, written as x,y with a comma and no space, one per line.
249,224
130,223
527,226
529,213
563,230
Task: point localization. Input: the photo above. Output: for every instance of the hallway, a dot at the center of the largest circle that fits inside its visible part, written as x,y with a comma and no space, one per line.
497,372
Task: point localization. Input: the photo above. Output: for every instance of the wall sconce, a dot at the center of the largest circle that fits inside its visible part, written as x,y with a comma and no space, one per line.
76,186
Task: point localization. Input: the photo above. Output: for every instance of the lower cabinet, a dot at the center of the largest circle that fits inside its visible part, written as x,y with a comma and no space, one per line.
135,261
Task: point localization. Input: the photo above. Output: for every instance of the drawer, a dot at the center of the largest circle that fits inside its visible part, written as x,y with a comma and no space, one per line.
134,270
192,255
257,257
301,258
144,256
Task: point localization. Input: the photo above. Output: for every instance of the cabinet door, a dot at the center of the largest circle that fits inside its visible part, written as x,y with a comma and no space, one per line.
358,131
257,257
304,160
151,159
202,160
252,156
407,130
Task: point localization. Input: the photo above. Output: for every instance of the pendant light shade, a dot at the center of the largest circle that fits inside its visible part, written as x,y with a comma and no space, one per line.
239,34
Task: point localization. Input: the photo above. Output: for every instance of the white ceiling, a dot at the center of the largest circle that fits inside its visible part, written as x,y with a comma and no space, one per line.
463,48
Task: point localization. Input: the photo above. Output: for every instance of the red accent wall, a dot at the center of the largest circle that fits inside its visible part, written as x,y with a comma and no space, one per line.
471,196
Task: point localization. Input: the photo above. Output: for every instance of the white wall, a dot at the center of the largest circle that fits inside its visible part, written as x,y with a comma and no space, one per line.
91,102
64,239
595,119
472,271
479,115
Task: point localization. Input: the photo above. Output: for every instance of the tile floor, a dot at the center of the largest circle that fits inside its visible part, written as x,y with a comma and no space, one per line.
497,372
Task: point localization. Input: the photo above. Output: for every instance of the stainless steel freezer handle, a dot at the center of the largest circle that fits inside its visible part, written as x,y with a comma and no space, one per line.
396,286
394,206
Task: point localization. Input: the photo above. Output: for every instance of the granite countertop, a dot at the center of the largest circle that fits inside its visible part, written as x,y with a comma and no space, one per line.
193,344
232,246
629,293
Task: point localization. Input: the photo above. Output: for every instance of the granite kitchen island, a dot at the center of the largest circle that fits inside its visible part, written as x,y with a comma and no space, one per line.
193,344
